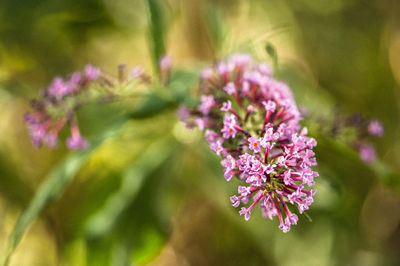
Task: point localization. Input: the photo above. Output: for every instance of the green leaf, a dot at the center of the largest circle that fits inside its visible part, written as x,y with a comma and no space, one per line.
180,84
151,105
271,51
133,178
389,177
50,190
120,255
307,216
11,185
157,28
98,252
138,232
53,187
330,146
152,239
130,242
214,26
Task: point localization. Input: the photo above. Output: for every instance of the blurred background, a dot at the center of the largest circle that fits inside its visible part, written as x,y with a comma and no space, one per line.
153,194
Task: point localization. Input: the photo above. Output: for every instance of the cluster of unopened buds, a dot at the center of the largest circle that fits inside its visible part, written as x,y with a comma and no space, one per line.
252,121
364,129
373,128
60,101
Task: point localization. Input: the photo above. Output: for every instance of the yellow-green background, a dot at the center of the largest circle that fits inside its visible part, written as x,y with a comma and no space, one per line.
332,53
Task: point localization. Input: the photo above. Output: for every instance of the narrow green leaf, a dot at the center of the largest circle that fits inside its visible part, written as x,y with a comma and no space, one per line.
151,242
307,216
98,252
389,177
150,106
133,178
271,51
138,233
11,185
180,84
53,187
214,26
121,251
157,29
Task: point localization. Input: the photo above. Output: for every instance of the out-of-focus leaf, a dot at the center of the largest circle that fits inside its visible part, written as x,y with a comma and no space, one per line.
11,186
307,216
180,84
148,230
271,51
100,117
121,251
151,243
151,105
389,176
53,187
128,221
135,242
157,29
132,181
215,29
98,252
382,171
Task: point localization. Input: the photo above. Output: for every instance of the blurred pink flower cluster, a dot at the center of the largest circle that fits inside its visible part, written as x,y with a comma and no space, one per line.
62,98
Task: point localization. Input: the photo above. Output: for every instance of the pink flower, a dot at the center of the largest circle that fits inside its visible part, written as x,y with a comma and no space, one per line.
270,106
74,82
207,74
367,153
253,122
223,69
229,162
165,63
211,136
229,130
136,72
226,106
254,144
91,72
207,103
287,177
245,88
58,88
183,113
375,128
57,106
230,88
235,201
200,123
76,141
265,69
217,147
246,213
240,60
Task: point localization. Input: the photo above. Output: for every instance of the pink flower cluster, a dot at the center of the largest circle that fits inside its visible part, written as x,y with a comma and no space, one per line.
44,126
367,151
365,130
252,120
59,103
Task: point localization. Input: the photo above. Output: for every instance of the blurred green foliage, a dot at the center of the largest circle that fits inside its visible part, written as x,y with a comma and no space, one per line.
152,192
